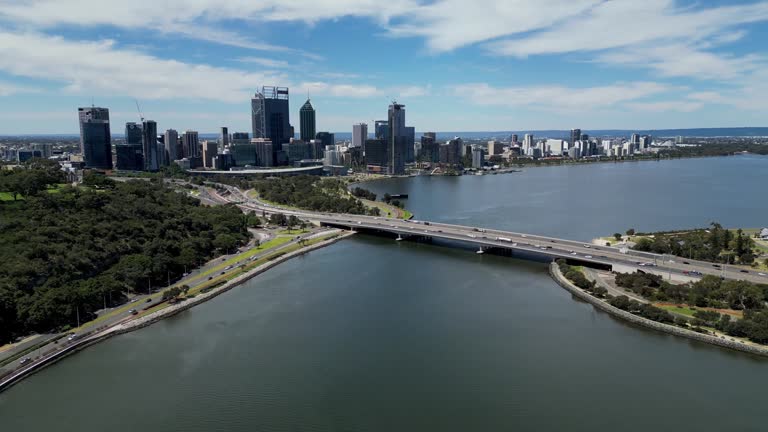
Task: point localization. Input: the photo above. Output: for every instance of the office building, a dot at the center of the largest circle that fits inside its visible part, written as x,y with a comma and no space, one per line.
555,147
359,135
381,129
333,157
527,143
495,148
316,148
298,150
95,137
224,137
277,122
149,145
397,139
478,157
327,138
23,155
584,137
450,152
376,152
129,157
45,149
210,150
264,152
240,138
132,133
243,154
190,144
430,148
514,138
223,161
575,136
307,122
258,122
171,141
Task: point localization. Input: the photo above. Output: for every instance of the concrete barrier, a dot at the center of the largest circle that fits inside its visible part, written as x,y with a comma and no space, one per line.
724,342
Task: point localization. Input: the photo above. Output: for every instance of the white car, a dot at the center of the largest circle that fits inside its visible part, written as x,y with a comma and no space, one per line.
574,253
587,246
587,256
762,274
514,244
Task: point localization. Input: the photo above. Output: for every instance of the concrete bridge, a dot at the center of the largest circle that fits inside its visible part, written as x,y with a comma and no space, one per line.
526,245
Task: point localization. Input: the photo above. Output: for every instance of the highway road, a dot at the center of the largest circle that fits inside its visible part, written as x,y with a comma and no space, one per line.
626,259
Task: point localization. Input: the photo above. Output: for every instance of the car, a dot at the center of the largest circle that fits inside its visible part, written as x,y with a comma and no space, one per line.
25,360
587,256
587,246
227,267
224,259
471,236
185,274
72,337
744,271
716,265
359,223
574,253
686,262
223,272
210,277
552,241
524,236
696,273
149,300
514,244
686,272
133,312
133,300
762,274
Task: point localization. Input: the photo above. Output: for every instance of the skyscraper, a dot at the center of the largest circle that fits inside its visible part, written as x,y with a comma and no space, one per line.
190,144
277,122
171,138
381,129
132,133
149,145
307,121
210,150
224,137
95,137
258,123
430,149
397,138
359,135
410,140
327,138
130,156
575,136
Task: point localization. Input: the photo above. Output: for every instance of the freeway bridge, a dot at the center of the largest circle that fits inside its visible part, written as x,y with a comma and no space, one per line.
526,245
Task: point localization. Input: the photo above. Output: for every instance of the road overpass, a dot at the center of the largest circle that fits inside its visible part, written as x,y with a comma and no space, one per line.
489,239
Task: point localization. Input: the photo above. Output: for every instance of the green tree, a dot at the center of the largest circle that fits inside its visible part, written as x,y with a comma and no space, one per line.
631,232
617,236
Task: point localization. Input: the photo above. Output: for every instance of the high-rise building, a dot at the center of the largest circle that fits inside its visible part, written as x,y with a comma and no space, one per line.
297,150
95,137
514,138
478,157
171,149
240,138
359,135
210,150
410,140
381,129
132,133
264,152
129,157
277,124
450,152
45,149
585,137
149,145
307,122
317,147
243,154
376,152
190,144
430,148
397,139
327,138
635,139
224,137
575,136
528,143
258,122
495,148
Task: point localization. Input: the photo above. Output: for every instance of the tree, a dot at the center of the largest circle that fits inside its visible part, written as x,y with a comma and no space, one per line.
617,236
387,198
293,221
278,219
631,232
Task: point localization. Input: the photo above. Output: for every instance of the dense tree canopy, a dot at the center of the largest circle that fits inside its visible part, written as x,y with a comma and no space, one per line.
311,193
67,253
714,244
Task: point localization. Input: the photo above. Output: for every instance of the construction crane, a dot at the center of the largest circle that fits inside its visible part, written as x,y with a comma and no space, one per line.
141,116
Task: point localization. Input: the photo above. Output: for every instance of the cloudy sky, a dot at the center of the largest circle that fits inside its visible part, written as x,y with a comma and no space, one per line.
457,65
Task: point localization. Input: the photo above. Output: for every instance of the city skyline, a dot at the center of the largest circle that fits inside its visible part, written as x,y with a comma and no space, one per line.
502,66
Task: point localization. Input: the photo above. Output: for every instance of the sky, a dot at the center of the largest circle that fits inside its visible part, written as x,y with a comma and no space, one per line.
457,65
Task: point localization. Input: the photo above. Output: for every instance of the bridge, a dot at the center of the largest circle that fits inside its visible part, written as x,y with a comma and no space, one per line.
526,245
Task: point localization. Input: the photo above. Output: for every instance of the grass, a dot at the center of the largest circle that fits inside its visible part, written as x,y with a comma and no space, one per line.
275,242
293,231
680,310
690,310
7,196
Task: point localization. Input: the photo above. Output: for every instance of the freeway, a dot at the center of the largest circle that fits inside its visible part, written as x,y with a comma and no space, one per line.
620,259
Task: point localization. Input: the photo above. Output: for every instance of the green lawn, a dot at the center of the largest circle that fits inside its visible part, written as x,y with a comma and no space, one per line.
7,196
275,242
293,231
684,310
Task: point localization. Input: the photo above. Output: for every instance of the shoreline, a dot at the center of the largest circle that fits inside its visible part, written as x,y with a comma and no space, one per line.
723,342
167,312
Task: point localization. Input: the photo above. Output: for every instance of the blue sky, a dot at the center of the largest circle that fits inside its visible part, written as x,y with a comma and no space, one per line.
457,65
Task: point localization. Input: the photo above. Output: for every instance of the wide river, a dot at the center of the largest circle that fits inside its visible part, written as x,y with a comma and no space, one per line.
376,335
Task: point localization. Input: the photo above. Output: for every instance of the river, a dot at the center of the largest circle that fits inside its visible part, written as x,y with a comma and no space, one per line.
375,335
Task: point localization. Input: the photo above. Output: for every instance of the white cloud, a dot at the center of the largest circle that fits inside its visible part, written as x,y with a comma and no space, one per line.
268,63
558,98
85,66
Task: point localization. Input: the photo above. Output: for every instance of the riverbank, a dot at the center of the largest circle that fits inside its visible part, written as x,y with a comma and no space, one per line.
165,312
721,341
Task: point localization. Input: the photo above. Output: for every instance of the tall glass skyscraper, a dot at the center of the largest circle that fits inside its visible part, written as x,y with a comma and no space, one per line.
149,145
307,121
95,137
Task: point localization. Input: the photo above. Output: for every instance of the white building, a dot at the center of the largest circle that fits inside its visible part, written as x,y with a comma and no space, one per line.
359,134
556,147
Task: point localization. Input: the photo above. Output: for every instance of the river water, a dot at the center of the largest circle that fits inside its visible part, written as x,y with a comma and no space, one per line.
376,335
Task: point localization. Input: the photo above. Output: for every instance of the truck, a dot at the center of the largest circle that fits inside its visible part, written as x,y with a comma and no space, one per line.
505,239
